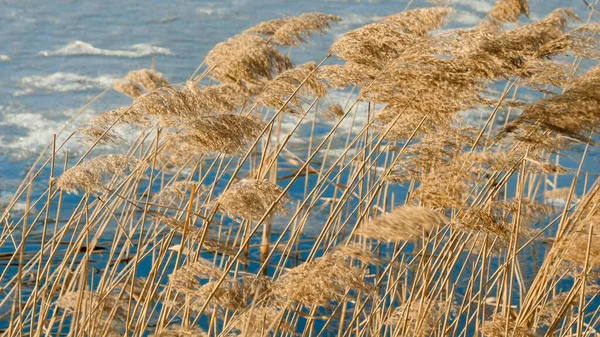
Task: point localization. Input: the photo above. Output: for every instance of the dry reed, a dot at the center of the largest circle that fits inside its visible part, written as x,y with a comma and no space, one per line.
223,221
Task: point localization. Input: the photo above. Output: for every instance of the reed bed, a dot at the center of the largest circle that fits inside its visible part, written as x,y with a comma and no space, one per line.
209,218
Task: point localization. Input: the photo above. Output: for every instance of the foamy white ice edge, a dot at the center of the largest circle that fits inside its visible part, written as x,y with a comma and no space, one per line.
84,48
63,82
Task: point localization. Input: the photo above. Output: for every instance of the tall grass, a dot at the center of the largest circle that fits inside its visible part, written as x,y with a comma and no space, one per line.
387,213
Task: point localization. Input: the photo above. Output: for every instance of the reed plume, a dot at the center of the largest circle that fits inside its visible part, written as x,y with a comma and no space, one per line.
319,282
574,247
506,11
495,218
95,311
228,295
127,88
138,80
223,98
362,254
551,310
283,87
506,53
341,76
225,133
376,44
232,294
187,279
420,316
420,21
439,147
176,192
402,224
99,127
572,114
294,30
334,112
373,45
89,176
176,153
175,106
250,199
496,327
582,41
147,79
259,320
180,331
246,59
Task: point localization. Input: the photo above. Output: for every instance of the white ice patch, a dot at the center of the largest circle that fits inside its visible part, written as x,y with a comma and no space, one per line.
480,6
5,199
25,133
63,82
4,58
84,48
217,11
353,20
34,132
465,18
210,11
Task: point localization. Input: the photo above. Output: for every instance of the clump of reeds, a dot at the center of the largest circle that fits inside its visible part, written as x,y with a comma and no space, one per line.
226,219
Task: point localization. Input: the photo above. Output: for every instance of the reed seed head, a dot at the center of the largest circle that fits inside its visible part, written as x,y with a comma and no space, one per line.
246,58
496,327
297,85
294,30
226,133
250,199
180,331
89,176
319,282
402,224
146,79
